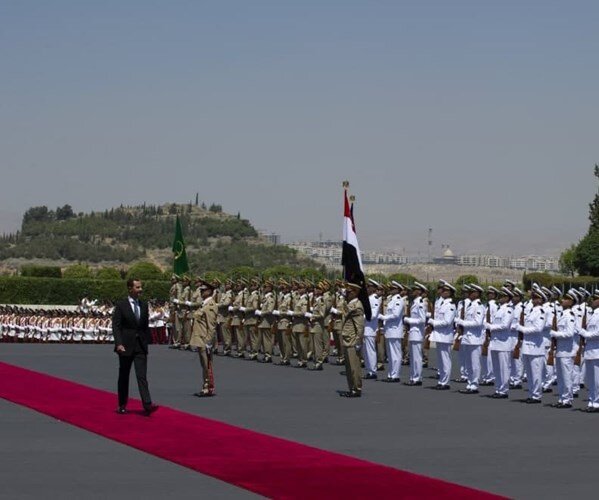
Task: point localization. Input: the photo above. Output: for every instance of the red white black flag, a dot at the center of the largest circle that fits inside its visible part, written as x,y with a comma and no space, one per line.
351,260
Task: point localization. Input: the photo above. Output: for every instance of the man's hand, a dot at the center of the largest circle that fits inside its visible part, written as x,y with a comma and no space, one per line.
120,348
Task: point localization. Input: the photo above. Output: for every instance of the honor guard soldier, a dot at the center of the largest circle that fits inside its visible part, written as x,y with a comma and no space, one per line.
284,324
328,300
488,378
266,320
533,350
381,354
251,320
225,317
443,333
370,331
337,311
317,316
517,368
415,324
502,343
238,309
204,328
300,328
352,333
393,318
590,346
185,314
473,338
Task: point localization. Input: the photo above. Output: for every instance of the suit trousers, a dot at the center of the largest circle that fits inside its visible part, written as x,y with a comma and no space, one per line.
592,381
472,364
140,360
533,366
353,370
444,362
369,353
415,360
501,370
394,353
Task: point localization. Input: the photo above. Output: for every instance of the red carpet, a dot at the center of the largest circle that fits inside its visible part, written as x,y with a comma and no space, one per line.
266,465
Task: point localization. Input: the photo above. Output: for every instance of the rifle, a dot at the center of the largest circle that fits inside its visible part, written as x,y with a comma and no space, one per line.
553,348
582,340
460,329
487,332
406,329
429,329
516,353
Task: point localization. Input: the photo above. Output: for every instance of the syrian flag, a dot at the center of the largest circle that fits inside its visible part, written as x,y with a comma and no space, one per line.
351,260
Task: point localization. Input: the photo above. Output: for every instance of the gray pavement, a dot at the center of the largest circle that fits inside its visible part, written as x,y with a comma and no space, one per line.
505,447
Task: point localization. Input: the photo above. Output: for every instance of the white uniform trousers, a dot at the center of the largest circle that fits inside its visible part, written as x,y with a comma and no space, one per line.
576,378
472,362
583,371
415,360
462,361
369,354
487,368
517,371
501,370
444,362
549,372
592,381
394,355
533,366
565,379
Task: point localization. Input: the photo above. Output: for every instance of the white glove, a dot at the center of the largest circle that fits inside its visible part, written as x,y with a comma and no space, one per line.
519,328
308,315
381,317
406,321
289,313
208,346
334,311
187,303
242,309
175,301
431,322
258,312
459,322
428,315
230,308
486,326
276,313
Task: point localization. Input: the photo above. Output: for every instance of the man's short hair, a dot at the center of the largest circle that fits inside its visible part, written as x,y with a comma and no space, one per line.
130,282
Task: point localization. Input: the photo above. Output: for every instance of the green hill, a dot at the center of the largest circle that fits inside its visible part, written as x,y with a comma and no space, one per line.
215,240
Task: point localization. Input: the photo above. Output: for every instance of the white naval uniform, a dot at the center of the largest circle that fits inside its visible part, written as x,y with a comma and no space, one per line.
567,346
549,371
393,319
472,340
416,323
533,350
591,357
462,353
442,335
487,362
517,367
503,341
370,328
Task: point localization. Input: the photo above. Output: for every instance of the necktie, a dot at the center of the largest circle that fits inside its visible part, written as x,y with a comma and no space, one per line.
136,309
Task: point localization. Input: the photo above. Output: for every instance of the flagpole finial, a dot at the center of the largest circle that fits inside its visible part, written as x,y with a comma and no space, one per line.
345,184
352,198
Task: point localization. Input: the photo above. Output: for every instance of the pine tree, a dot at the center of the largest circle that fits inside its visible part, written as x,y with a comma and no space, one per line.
594,207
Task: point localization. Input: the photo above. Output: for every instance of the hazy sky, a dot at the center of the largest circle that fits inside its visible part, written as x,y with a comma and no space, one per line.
475,118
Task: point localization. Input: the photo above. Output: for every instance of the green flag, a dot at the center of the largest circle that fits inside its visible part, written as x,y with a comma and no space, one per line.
180,265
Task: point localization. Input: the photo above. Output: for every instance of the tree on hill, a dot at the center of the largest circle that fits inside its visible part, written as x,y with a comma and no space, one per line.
586,257
145,271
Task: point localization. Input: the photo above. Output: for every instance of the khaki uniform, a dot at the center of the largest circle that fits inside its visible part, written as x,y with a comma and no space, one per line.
251,323
352,332
237,321
300,330
224,320
204,326
265,324
337,326
317,330
175,292
328,299
284,327
185,315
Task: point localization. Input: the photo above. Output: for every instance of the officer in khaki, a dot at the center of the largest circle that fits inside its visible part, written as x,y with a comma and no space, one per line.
238,315
266,321
317,318
299,326
338,310
204,326
185,312
352,333
251,320
327,298
284,323
174,291
225,317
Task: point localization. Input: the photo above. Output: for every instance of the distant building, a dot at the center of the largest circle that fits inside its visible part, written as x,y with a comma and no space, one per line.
273,238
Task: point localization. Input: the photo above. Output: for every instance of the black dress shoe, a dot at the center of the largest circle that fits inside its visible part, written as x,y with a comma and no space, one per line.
350,394
301,365
487,383
532,401
370,376
203,394
497,395
121,410
442,387
413,383
590,409
459,380
149,409
468,391
284,363
515,386
561,405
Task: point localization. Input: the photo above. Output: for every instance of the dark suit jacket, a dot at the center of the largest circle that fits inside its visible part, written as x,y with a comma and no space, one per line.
126,328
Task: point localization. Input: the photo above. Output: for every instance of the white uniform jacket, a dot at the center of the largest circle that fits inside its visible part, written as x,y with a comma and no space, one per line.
370,327
534,324
566,335
503,338
591,336
393,317
443,323
473,323
417,320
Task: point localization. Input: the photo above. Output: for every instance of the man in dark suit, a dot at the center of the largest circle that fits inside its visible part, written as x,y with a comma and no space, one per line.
131,338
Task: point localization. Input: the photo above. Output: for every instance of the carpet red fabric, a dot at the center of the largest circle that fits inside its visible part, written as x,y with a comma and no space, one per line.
264,464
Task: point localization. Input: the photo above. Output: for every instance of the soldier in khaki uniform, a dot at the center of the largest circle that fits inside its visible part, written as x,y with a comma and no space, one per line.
267,320
300,327
284,323
337,312
328,299
317,317
237,309
204,327
195,302
352,333
175,329
184,313
251,320
225,317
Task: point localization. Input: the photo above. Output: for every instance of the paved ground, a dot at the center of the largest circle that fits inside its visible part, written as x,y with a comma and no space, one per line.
501,446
